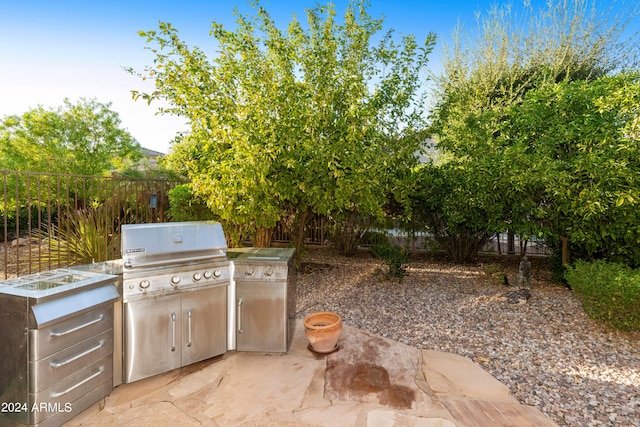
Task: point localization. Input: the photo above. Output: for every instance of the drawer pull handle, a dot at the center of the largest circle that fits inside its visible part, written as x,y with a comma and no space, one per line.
78,356
189,328
173,331
77,328
240,301
84,381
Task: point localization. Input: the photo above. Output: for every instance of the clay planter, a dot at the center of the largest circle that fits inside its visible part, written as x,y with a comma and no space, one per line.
323,331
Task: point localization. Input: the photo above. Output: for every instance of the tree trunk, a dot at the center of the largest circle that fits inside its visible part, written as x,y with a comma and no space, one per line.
262,238
565,249
297,230
463,247
347,234
511,242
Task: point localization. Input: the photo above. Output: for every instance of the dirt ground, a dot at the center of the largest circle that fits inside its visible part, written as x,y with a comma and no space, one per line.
20,261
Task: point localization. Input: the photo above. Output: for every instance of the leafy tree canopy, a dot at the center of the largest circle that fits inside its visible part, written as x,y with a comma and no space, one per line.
82,138
581,140
323,117
500,84
515,50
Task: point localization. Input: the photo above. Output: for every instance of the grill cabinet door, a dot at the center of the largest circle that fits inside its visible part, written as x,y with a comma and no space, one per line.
204,324
261,316
153,336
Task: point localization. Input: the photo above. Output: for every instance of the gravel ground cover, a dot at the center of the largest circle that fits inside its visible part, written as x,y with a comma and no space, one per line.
547,351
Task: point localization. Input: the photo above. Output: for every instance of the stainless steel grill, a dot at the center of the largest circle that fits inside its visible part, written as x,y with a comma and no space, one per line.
57,353
175,283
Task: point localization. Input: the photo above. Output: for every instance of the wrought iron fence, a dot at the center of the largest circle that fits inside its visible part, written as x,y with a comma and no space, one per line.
316,232
497,245
36,206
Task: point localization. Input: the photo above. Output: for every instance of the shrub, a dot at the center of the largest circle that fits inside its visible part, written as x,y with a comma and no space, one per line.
395,257
495,272
556,267
374,238
185,206
347,232
609,292
83,236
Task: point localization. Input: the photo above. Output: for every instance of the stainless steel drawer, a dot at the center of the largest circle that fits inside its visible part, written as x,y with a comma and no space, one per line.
85,401
47,341
53,369
58,397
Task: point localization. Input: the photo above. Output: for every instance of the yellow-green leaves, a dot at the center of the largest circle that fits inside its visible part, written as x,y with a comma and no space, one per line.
313,118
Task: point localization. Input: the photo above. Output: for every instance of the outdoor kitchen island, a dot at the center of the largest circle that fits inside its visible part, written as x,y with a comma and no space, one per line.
56,357
72,335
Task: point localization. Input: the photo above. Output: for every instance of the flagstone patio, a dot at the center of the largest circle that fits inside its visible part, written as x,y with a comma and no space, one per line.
369,381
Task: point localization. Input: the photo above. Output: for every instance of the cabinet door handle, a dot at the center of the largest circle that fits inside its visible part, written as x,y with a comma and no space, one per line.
73,387
189,328
78,356
173,331
77,328
240,315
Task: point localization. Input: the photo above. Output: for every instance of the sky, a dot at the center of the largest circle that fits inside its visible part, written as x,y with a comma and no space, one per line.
56,49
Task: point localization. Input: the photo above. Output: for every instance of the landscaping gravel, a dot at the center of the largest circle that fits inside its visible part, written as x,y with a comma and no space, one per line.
547,351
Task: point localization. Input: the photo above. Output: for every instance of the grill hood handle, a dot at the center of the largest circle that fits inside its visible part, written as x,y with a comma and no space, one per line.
158,263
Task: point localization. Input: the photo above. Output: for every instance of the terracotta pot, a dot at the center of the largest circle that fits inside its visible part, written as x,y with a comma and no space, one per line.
323,331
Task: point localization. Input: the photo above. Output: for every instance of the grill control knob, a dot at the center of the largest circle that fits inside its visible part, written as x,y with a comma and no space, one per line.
249,271
217,273
197,277
144,284
269,272
175,280
207,274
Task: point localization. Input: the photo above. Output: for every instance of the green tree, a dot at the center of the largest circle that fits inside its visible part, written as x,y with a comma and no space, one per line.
317,119
83,138
452,201
581,139
514,51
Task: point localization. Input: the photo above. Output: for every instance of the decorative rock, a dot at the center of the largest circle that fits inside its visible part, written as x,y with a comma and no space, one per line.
516,297
22,241
547,351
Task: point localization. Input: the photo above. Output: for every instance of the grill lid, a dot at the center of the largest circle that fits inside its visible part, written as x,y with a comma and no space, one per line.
147,245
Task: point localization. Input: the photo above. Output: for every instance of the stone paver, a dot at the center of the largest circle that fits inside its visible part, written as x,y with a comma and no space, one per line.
451,375
255,385
385,418
370,369
369,382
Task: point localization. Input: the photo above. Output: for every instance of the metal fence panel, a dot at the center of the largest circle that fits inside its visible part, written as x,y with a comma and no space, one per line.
36,204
